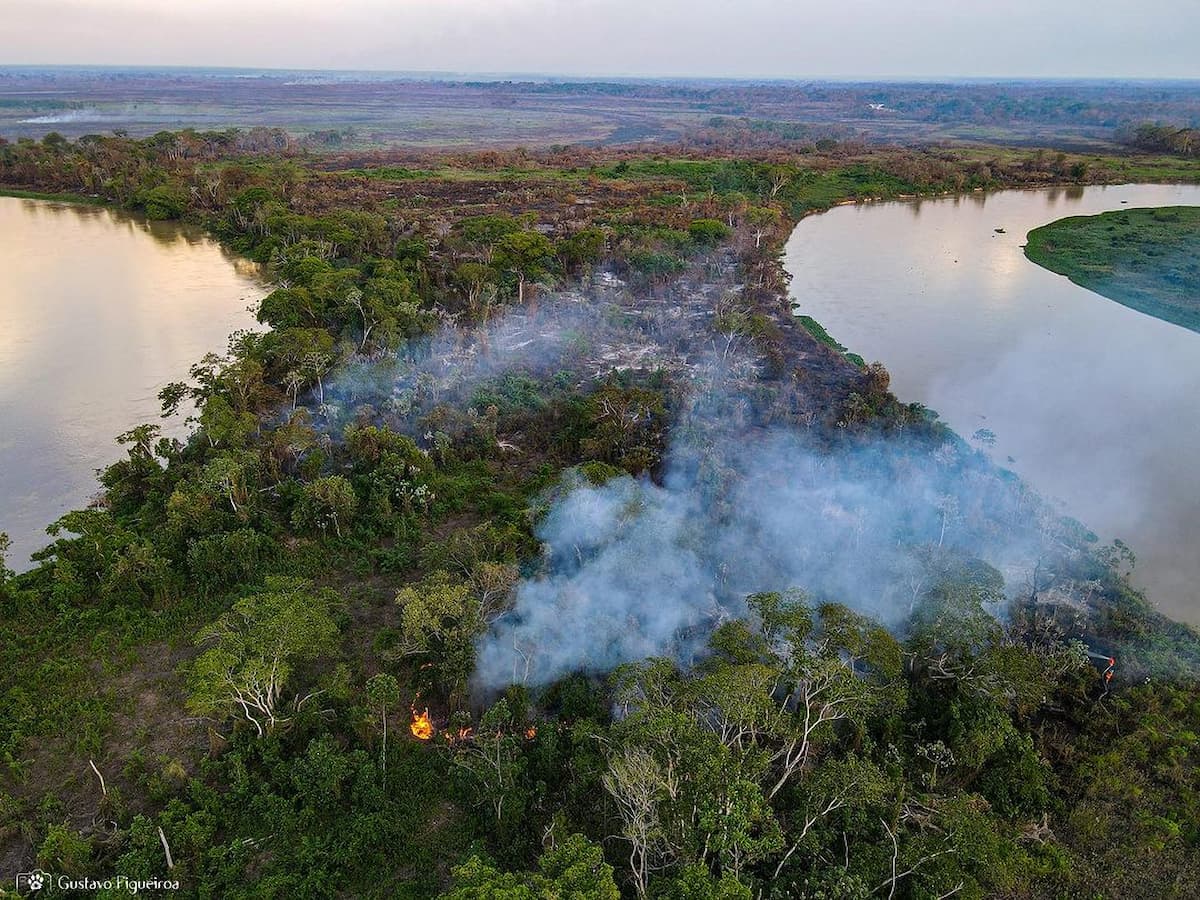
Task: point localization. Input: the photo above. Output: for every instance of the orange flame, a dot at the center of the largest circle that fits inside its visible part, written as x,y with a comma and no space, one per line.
530,732
421,725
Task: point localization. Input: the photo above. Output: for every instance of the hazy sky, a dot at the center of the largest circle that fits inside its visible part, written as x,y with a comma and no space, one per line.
774,38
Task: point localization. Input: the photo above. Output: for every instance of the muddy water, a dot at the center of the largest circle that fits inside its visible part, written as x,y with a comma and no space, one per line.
1096,405
98,310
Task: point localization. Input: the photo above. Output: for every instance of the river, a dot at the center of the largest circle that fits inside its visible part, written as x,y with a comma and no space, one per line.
98,310
1096,405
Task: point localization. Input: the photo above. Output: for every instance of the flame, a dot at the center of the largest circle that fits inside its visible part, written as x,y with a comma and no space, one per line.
530,732
421,725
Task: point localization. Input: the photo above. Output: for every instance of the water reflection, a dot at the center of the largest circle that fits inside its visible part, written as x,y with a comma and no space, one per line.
1093,402
98,309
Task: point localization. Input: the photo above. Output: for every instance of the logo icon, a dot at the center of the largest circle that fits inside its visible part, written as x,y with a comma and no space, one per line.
28,882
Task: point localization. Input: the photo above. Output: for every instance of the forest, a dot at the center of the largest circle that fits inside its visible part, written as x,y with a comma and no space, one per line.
533,549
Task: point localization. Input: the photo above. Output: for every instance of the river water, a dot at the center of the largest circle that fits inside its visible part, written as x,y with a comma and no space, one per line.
1094,404
98,310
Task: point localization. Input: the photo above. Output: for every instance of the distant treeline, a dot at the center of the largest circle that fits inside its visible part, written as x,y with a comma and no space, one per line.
1155,137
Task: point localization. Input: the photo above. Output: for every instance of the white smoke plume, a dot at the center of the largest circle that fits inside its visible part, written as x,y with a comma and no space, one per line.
633,569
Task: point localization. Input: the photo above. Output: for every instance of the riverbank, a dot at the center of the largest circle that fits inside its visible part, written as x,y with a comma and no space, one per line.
99,309
91,200
968,327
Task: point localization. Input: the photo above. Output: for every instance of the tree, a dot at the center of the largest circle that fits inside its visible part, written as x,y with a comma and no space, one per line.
383,692
695,882
784,689
387,307
735,763
167,201
226,476
582,248
780,177
527,255
219,561
627,427
738,823
225,426
572,870
5,572
302,354
254,648
106,560
442,615
637,785
484,233
762,219
476,281
708,232
433,612
315,364
735,204
370,313
492,763
326,502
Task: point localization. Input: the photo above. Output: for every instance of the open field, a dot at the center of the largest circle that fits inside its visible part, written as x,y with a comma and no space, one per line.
340,109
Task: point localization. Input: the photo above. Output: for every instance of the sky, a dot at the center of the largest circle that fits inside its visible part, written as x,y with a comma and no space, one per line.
717,38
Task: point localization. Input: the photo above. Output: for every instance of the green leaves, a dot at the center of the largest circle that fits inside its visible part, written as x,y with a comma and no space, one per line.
326,504
254,648
383,691
572,870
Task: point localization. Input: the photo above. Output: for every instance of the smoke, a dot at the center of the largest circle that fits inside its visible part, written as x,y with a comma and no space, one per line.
67,118
625,581
574,336
633,569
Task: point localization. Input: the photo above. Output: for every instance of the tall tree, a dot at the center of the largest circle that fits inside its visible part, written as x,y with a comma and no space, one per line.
254,648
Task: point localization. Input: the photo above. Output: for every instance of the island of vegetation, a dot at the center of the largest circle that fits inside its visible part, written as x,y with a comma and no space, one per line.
535,549
1146,259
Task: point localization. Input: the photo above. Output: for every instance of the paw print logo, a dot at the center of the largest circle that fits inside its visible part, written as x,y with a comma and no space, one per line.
28,882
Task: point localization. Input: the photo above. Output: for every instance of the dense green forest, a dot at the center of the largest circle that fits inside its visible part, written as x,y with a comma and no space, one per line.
276,656
1147,259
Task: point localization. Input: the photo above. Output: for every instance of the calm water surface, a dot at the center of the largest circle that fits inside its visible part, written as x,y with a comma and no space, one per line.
1096,405
98,310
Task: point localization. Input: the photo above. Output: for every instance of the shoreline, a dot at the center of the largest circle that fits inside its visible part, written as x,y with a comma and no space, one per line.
1169,605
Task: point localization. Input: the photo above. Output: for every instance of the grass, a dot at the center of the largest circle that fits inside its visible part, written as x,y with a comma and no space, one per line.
817,330
1146,259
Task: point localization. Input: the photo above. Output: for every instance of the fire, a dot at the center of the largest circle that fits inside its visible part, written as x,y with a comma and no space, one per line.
421,725
530,732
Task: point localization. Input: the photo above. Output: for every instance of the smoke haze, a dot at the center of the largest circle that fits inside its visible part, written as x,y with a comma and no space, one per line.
632,569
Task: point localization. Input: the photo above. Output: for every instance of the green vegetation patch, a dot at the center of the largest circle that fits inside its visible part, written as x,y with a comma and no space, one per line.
817,330
1146,259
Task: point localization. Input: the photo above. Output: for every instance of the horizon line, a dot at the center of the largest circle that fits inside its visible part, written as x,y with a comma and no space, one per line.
517,75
